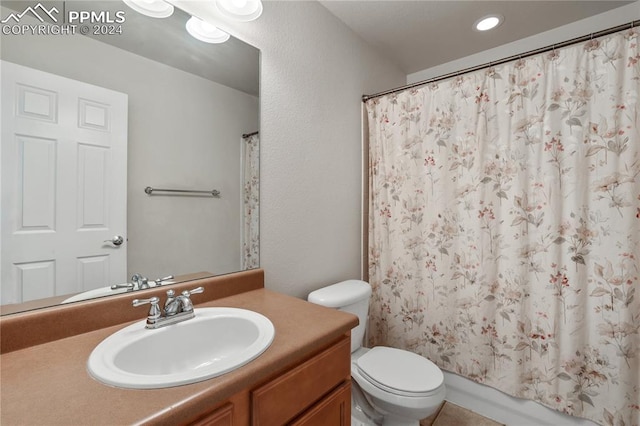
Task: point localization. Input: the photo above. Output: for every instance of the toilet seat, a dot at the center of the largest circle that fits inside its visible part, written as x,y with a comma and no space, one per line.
400,372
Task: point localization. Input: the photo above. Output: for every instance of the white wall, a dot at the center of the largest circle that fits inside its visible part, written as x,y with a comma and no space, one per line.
314,72
184,132
603,21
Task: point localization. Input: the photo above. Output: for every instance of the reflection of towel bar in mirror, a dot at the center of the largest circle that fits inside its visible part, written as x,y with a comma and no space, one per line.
215,193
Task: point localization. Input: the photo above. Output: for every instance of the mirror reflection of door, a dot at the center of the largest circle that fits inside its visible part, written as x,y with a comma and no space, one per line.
189,102
64,196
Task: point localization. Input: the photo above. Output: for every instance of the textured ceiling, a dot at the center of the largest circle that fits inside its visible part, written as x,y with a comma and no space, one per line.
420,34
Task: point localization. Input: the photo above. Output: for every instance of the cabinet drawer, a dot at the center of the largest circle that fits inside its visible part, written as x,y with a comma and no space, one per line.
334,410
289,395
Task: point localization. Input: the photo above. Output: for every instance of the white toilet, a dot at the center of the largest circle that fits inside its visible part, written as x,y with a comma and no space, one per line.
399,387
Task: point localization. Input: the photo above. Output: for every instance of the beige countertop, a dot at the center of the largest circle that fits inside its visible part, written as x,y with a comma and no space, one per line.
48,384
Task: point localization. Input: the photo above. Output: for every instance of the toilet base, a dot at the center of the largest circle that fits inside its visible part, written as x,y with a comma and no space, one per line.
362,413
389,420
356,421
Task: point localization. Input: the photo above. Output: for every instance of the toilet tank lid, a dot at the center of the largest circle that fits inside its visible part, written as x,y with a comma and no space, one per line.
341,294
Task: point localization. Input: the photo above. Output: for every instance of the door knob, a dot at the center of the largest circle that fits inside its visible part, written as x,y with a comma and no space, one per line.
116,240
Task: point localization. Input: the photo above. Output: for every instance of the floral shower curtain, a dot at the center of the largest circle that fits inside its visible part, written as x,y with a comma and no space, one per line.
504,226
251,202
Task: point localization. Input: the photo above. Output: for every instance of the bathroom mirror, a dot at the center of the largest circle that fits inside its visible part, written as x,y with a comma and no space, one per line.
191,118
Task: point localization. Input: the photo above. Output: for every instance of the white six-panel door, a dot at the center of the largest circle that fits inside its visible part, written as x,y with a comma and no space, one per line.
63,185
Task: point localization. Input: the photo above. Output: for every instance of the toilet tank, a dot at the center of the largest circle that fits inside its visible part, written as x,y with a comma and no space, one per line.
349,296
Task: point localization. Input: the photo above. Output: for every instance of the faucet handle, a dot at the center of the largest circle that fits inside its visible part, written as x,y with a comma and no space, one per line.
154,310
196,290
160,280
152,300
128,286
187,304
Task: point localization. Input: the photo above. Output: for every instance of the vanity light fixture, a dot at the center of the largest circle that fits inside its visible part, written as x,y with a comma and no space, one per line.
240,10
153,8
206,32
236,10
488,22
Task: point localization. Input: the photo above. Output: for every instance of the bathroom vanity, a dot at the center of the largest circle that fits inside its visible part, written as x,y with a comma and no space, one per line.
302,378
316,392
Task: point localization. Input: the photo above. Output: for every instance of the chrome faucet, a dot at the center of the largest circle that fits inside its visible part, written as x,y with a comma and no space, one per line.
138,282
176,309
174,305
171,305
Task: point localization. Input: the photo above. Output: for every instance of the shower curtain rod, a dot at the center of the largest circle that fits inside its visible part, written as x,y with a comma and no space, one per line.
246,135
612,30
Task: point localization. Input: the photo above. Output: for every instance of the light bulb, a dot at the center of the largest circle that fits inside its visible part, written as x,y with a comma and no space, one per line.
206,32
152,8
240,10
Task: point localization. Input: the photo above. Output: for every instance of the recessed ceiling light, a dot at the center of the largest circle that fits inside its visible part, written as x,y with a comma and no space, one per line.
153,8
488,22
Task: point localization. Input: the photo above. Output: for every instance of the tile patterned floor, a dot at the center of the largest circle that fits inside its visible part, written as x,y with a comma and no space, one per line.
454,415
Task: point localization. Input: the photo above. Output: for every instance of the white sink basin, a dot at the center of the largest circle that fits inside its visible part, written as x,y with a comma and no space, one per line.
92,294
215,342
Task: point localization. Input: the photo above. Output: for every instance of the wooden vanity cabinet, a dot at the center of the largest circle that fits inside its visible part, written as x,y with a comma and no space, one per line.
316,392
223,416
334,409
302,390
234,412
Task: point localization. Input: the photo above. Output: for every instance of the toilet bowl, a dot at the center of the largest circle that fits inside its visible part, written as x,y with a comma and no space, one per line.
399,387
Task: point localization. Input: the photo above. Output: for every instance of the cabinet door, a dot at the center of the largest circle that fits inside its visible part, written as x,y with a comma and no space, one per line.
334,410
286,397
223,416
